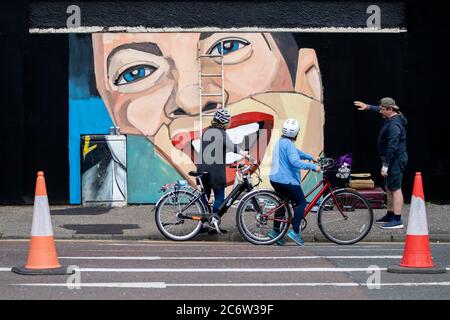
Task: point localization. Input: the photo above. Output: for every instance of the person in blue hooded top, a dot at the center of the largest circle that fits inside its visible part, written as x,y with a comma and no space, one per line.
392,151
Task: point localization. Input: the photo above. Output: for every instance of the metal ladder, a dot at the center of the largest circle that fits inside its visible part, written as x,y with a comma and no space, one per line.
202,75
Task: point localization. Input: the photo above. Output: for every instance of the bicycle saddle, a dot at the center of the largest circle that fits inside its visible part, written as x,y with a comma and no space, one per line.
197,174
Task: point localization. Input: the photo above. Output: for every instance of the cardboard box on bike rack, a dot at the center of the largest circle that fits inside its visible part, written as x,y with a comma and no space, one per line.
361,181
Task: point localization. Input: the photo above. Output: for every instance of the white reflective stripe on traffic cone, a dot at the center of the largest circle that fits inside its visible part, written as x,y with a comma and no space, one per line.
42,224
417,222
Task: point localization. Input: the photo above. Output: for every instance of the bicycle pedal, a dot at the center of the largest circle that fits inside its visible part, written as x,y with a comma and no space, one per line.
217,227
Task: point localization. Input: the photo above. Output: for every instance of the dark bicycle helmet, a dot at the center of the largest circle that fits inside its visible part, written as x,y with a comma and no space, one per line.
222,116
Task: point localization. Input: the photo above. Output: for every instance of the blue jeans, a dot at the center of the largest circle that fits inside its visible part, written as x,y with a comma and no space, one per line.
295,193
219,196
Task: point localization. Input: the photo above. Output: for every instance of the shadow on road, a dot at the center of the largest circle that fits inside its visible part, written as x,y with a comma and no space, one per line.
80,211
99,228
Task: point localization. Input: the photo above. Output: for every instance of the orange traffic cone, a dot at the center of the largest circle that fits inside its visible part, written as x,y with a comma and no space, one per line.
42,257
417,254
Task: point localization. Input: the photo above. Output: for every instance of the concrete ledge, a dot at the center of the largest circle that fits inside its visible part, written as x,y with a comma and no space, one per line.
231,237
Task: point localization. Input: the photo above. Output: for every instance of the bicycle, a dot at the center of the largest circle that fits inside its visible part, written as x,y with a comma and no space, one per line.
180,212
344,216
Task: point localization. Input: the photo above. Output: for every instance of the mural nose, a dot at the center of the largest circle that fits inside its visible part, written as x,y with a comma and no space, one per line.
209,107
188,99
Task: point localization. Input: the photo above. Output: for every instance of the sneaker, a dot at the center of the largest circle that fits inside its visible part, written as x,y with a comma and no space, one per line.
385,219
394,224
273,234
296,238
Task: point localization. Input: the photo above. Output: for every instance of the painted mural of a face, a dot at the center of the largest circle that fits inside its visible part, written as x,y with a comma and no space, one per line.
150,85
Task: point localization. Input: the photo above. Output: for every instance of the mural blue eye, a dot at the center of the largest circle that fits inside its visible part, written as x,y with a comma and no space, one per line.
134,74
228,46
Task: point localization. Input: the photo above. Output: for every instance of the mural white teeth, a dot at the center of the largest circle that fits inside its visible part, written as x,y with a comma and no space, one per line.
230,156
237,136
196,145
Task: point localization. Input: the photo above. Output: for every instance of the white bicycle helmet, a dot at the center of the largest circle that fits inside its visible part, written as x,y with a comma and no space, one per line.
291,127
222,116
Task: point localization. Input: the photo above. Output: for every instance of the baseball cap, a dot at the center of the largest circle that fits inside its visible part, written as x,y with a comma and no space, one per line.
389,103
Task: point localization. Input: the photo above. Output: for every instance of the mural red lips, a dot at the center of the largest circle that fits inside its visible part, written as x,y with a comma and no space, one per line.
242,127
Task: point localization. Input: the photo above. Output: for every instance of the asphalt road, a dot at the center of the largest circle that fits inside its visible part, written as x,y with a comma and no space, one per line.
222,270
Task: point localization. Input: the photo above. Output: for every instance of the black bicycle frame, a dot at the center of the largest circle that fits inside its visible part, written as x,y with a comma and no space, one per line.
245,185
326,186
190,203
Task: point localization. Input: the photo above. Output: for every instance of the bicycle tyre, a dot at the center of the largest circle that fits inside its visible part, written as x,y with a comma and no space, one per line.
247,208
359,215
192,227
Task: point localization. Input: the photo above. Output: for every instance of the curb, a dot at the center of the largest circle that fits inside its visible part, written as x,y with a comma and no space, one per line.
231,237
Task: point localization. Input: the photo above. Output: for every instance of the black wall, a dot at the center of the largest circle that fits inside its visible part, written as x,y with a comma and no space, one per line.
34,109
412,67
428,95
46,100
218,13
11,101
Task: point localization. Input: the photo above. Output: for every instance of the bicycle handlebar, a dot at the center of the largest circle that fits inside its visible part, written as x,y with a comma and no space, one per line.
242,167
325,163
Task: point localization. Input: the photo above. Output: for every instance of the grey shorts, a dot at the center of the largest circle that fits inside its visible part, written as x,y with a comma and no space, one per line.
393,181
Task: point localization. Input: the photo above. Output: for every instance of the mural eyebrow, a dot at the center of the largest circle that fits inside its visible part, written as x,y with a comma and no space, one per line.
148,47
205,35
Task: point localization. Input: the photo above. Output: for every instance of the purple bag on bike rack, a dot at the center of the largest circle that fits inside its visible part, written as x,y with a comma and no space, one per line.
347,158
343,166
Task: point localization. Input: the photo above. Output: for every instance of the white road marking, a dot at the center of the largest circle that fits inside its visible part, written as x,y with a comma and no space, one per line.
231,258
141,285
187,244
199,270
204,270
278,250
234,250
340,284
169,245
365,250
339,246
162,285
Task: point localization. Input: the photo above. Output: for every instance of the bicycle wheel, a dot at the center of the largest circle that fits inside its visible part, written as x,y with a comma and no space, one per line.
169,218
256,216
345,218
